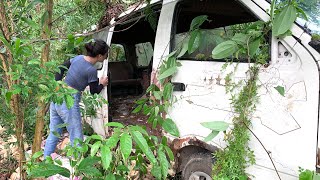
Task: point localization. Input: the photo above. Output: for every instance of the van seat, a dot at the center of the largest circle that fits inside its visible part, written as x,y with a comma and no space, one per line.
122,74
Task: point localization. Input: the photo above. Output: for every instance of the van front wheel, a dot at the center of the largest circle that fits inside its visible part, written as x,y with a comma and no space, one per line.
199,167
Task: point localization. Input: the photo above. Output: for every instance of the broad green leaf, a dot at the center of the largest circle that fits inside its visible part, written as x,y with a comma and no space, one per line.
94,148
211,136
306,175
115,124
253,47
169,152
157,95
125,145
240,38
48,169
167,91
111,177
216,125
8,96
37,154
34,61
156,171
69,101
224,50
44,17
137,109
184,48
143,145
113,140
123,168
169,126
97,137
168,73
280,90
164,164
198,21
141,101
30,22
61,125
138,128
86,166
194,41
106,156
283,21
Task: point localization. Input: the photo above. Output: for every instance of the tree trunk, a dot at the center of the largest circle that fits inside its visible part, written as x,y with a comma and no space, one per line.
15,102
46,32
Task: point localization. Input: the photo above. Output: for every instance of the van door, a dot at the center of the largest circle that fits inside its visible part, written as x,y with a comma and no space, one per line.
286,125
98,123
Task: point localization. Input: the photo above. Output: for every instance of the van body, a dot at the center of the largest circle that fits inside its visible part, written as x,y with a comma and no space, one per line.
286,125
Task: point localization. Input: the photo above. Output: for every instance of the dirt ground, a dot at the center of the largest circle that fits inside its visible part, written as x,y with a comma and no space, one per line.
121,111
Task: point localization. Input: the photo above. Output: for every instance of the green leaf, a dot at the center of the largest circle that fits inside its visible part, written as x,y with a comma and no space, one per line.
47,170
164,164
156,172
34,61
143,145
113,140
198,21
240,38
306,175
302,13
168,73
56,134
61,125
167,91
211,136
106,156
280,90
125,145
69,101
86,166
224,49
284,20
169,152
123,168
157,95
30,22
194,41
5,42
138,128
94,148
184,49
111,177
253,47
216,125
44,17
37,154
137,109
97,137
169,126
8,96
115,124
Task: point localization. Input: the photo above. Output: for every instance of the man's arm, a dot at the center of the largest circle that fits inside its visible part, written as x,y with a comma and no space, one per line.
59,76
95,87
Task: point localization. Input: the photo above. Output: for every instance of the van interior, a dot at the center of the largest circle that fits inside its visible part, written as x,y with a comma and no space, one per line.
130,58
130,64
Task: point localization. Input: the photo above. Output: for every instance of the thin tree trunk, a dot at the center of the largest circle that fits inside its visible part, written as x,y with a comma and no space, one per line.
46,32
15,101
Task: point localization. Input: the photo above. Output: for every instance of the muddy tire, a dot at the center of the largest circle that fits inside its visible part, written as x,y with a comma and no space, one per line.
199,167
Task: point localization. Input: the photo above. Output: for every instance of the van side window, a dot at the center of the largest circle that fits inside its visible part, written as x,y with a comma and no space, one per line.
144,52
117,53
226,18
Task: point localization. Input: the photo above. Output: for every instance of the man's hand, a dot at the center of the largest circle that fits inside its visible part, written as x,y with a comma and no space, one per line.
104,81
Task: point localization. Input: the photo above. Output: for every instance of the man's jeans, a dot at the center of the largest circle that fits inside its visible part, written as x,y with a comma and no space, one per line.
60,114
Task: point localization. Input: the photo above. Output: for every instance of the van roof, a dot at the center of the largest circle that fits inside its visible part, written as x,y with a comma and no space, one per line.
134,8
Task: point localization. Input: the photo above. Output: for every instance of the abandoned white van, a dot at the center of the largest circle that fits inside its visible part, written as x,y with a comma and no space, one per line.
286,125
